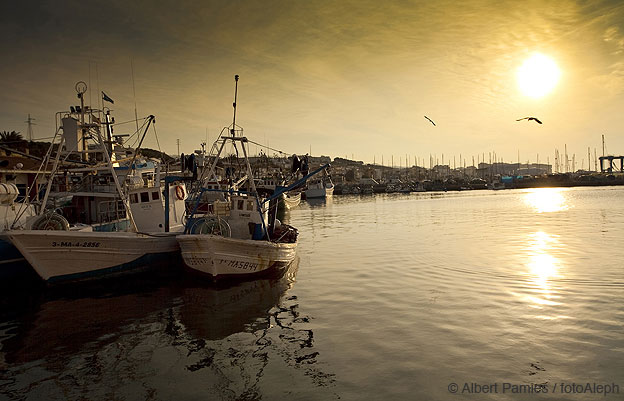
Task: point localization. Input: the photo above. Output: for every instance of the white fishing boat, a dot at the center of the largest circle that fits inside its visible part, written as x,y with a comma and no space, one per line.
320,188
221,254
291,199
147,223
84,253
73,255
238,240
243,237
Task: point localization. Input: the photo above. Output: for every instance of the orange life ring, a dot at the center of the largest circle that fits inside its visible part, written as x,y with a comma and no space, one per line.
180,192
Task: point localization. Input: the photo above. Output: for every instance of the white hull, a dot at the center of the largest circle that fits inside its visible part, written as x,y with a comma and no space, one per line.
291,200
67,255
220,256
8,215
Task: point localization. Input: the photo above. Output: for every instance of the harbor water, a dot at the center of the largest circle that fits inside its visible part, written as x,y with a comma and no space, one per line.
422,296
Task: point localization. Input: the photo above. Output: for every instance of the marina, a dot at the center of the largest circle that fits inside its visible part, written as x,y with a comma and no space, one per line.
533,308
227,298
335,200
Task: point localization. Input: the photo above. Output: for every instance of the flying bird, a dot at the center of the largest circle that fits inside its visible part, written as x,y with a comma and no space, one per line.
431,121
529,119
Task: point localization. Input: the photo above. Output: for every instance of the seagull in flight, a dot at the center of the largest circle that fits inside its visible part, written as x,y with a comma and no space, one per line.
529,119
431,121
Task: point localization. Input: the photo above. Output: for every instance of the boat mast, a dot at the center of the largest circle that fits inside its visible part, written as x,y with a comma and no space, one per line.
233,130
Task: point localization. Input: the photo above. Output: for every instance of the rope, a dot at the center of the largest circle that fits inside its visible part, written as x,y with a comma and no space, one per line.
158,143
267,147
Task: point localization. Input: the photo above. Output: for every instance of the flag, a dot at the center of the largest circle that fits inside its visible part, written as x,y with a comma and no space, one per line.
106,98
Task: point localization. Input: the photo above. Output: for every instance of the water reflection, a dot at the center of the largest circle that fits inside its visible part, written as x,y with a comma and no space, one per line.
320,202
232,337
543,266
545,200
68,319
212,313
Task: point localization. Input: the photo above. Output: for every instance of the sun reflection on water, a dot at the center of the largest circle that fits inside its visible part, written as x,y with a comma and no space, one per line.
544,200
543,267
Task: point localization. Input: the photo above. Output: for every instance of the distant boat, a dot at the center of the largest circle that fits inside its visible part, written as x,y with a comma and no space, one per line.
320,188
291,199
496,185
268,186
477,183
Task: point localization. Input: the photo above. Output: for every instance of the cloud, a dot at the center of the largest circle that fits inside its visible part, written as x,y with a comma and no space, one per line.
337,75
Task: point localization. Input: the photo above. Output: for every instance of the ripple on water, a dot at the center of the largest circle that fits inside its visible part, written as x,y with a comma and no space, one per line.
396,296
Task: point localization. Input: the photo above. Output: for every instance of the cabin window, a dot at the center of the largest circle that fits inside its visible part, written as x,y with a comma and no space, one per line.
250,205
155,195
241,205
134,198
144,196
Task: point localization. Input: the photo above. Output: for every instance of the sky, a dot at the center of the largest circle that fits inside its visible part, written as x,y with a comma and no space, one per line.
338,78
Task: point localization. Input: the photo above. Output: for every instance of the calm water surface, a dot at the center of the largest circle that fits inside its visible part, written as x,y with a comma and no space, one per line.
392,297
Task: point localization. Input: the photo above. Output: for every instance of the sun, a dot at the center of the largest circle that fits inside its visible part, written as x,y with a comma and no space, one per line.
538,75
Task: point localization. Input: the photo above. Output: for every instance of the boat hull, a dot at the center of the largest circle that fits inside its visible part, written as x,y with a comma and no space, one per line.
218,256
13,266
291,200
59,256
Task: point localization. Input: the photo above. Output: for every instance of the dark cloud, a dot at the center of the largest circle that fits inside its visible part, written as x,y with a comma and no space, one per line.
361,68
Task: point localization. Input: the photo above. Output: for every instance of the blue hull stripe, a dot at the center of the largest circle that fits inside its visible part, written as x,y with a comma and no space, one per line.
145,262
8,251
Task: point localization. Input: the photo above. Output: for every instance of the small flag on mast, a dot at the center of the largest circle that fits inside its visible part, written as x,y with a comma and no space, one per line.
106,98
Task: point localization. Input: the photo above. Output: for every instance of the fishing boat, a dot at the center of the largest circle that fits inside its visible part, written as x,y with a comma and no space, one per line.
243,237
268,185
61,253
322,187
496,185
291,199
145,215
75,255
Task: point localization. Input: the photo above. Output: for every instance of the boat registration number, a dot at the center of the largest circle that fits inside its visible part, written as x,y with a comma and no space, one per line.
239,265
75,244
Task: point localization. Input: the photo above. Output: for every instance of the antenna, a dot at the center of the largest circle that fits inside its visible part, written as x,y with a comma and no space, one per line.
97,83
233,130
30,123
136,118
90,84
